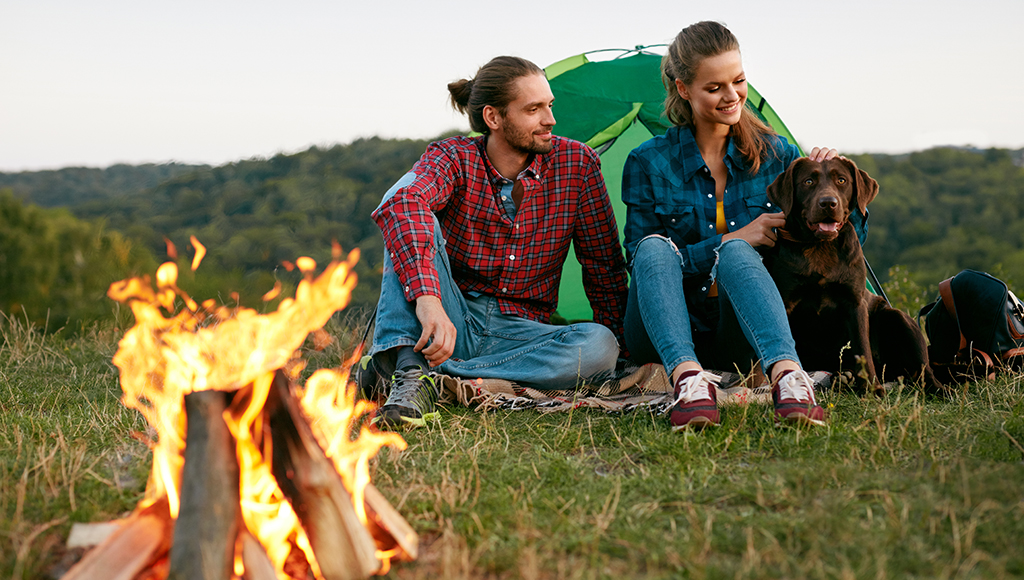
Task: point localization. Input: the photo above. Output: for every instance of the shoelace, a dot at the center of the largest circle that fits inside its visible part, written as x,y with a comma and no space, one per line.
697,387
406,388
795,384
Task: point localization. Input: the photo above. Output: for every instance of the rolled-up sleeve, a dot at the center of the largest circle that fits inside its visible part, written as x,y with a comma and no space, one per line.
406,221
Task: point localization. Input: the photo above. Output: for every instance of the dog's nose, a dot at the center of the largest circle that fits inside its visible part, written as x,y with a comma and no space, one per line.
828,203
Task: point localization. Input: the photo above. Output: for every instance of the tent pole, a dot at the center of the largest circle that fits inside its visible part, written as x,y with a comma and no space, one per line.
874,282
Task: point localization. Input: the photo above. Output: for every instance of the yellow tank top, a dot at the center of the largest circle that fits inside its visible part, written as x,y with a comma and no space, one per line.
722,228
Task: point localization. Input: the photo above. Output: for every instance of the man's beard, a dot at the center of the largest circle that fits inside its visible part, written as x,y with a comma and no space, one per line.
524,142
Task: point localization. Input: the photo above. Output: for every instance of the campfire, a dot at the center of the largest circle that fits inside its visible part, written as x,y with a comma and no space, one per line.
254,476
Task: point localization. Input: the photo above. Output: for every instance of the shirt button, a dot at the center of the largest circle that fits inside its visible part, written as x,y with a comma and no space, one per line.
704,289
504,289
727,191
769,204
503,198
711,225
511,257
673,220
732,223
407,289
710,196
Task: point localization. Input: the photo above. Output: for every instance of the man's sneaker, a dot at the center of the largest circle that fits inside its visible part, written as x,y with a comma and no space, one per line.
411,401
696,404
793,396
368,379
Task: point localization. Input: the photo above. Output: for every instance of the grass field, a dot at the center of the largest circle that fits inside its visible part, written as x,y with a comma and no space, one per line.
900,487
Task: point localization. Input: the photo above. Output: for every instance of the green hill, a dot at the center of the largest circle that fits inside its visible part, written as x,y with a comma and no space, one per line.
73,186
937,212
251,215
945,209
254,215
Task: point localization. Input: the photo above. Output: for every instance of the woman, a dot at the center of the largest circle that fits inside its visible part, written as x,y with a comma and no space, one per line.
697,217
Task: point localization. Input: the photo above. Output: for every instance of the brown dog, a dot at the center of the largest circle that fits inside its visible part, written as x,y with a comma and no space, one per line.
819,268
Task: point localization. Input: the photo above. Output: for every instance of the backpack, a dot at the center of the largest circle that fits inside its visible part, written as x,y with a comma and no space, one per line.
975,328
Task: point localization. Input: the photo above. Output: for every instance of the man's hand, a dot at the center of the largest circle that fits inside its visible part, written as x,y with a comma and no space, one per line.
437,342
761,231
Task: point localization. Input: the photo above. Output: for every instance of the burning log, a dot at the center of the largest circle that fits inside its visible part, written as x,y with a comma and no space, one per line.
390,529
343,547
260,478
204,536
254,558
140,541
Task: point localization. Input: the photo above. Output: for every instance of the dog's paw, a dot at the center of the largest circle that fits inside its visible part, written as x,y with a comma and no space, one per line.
865,381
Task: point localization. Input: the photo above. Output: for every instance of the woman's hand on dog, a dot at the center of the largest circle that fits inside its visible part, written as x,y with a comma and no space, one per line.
822,153
761,231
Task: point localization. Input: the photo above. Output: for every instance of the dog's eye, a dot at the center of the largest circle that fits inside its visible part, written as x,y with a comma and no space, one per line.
808,181
841,180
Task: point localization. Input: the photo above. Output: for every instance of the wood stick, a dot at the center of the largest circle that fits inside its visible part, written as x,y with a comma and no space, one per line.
91,535
142,538
385,517
342,545
254,557
204,535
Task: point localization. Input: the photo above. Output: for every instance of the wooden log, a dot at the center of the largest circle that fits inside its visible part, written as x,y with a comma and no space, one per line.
207,525
391,529
157,570
342,545
141,539
254,557
91,535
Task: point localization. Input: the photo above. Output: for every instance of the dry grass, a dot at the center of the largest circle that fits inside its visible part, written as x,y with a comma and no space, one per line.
903,486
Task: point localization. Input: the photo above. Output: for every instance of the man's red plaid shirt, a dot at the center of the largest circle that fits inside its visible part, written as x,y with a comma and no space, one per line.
517,258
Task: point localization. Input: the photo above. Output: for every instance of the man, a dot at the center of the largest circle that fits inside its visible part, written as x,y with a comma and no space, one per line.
475,237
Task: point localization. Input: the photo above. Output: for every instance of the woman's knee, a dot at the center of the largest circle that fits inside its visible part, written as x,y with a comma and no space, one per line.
735,247
656,251
737,258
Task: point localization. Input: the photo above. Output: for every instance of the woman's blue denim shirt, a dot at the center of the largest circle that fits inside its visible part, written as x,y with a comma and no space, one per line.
668,190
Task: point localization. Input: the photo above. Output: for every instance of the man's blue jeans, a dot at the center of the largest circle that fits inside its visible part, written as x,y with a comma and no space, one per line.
490,344
657,321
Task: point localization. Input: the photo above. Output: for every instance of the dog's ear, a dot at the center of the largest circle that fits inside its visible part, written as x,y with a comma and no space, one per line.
780,192
864,187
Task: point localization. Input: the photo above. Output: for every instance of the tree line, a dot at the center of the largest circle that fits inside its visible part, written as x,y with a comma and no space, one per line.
66,234
252,216
946,209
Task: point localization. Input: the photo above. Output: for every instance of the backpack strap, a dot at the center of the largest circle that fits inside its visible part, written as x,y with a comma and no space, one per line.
946,292
1012,353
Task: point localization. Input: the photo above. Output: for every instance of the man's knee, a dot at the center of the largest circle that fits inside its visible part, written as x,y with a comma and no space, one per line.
599,350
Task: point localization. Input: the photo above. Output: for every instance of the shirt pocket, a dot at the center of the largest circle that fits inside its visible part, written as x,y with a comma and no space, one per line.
759,204
679,222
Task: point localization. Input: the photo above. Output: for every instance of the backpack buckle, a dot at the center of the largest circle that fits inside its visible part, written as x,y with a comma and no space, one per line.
1018,307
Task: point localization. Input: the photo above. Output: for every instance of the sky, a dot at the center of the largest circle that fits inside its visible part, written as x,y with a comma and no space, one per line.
215,81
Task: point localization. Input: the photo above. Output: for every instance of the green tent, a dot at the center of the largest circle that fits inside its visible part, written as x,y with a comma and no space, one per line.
613,105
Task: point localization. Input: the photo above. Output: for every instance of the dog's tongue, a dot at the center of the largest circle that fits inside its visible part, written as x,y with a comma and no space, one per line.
828,226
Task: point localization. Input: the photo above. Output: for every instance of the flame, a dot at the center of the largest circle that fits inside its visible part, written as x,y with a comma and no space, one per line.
178,346
200,253
273,292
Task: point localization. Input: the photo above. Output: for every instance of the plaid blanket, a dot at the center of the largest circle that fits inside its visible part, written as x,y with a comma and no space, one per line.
645,386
